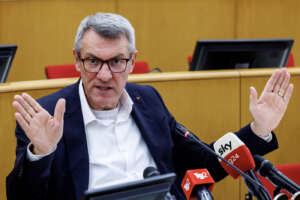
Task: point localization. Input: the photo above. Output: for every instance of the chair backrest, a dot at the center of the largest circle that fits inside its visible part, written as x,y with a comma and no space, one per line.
190,58
61,71
140,67
291,61
292,171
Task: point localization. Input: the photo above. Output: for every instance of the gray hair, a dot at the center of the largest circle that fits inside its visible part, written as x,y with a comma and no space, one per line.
106,25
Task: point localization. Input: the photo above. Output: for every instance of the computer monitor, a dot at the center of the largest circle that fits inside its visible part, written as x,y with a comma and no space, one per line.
7,53
240,54
152,188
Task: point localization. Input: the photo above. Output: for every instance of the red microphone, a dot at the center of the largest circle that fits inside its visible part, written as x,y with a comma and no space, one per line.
232,149
196,183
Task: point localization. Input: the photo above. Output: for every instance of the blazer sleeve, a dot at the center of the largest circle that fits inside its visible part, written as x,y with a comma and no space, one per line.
28,180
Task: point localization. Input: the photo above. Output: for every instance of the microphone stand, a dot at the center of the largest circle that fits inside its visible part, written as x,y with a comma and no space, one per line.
254,189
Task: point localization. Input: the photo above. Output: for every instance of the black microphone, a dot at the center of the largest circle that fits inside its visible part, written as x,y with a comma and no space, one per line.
296,196
254,189
266,169
150,171
281,196
182,131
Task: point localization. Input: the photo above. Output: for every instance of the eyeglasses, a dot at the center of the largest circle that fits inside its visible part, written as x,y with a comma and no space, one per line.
115,65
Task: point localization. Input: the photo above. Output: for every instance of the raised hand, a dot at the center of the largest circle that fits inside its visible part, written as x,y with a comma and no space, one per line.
268,110
43,130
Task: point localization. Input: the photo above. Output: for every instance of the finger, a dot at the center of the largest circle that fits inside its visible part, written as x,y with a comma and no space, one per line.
25,115
253,96
60,110
23,123
288,93
27,108
278,82
271,82
284,83
32,102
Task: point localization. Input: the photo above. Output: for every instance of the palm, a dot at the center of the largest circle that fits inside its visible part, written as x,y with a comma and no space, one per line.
269,109
43,130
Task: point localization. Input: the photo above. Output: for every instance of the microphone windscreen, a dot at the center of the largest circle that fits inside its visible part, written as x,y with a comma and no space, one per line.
232,149
196,177
150,171
263,166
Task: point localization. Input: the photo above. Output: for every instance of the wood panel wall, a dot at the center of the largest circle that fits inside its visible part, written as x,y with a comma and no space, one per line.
208,103
166,30
44,31
269,19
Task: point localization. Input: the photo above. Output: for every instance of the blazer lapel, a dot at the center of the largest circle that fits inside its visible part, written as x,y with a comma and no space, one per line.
76,144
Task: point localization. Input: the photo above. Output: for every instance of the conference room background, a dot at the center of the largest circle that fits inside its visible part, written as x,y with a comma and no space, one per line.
166,34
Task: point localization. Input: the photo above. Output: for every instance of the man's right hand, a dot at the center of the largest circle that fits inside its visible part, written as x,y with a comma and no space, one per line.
43,130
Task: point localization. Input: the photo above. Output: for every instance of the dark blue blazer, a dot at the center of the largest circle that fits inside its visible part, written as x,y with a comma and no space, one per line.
64,174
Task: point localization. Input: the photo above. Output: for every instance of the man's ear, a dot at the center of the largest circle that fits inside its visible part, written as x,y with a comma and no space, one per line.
76,59
133,60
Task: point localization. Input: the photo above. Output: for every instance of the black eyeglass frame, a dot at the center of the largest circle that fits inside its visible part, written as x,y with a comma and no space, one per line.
104,61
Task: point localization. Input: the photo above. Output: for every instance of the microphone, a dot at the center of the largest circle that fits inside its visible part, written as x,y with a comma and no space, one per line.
281,196
232,149
150,171
198,183
296,196
266,169
182,131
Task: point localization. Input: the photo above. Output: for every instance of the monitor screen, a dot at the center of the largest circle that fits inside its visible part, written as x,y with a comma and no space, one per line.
7,53
152,188
240,54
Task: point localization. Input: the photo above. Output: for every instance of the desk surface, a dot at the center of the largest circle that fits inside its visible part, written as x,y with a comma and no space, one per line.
138,78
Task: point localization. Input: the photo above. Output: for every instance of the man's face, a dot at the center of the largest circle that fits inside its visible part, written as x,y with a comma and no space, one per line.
103,89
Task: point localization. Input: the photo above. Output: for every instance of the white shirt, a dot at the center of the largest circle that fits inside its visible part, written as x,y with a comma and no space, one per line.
117,151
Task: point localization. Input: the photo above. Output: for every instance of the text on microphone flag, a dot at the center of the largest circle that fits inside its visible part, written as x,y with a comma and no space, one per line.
201,176
232,149
226,143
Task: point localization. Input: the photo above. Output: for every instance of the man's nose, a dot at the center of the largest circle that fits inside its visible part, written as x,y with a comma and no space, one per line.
104,73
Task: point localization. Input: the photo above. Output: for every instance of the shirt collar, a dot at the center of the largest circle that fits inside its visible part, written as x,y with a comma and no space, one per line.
125,107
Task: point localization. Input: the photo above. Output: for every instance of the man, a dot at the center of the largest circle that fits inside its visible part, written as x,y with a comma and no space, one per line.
102,130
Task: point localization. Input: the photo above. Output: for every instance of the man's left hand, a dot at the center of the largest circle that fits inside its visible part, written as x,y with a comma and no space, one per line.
268,110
